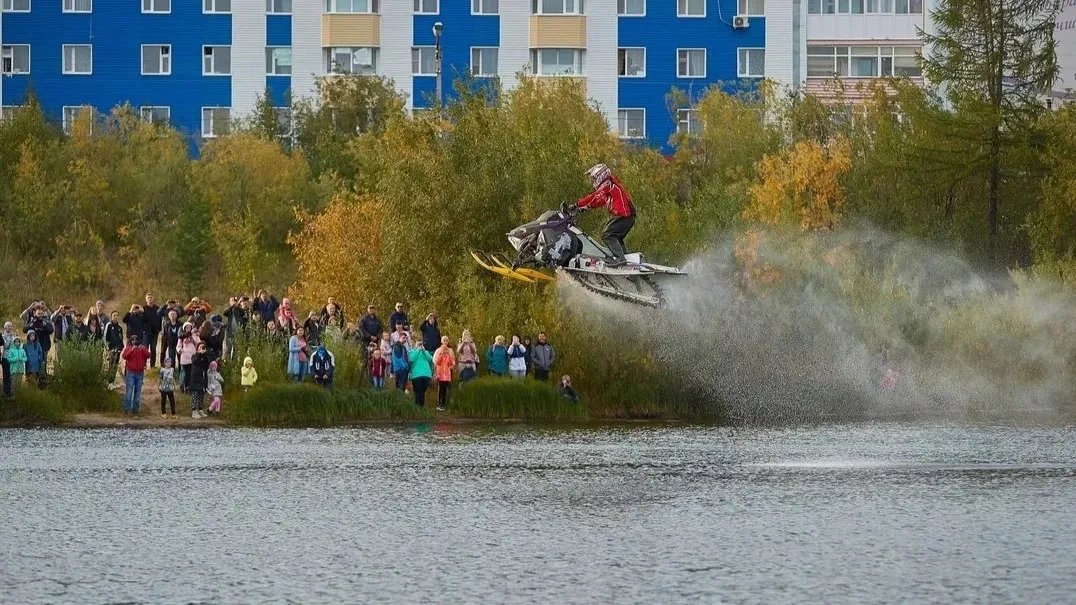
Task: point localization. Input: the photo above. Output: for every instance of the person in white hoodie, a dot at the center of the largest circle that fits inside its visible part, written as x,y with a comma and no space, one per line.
517,359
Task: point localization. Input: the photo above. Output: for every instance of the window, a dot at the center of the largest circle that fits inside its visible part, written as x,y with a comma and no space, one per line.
156,59
484,62
906,7
278,7
691,63
862,62
156,6
631,8
556,62
359,61
217,6
8,112
557,7
485,7
155,114
631,123
72,113
751,62
78,59
426,7
631,62
822,7
216,60
352,6
16,58
690,8
278,60
216,121
687,121
753,8
423,61
16,6
78,6
283,122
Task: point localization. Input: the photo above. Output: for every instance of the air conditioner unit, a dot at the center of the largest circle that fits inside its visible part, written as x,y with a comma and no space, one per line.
740,22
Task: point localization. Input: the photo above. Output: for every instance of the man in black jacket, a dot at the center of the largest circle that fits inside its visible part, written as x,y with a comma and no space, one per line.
135,320
114,343
370,327
36,319
151,314
170,331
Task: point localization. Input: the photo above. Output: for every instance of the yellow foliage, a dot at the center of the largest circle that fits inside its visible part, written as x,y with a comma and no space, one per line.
339,252
801,185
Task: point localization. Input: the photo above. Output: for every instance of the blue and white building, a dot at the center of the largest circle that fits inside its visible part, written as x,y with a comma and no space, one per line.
202,63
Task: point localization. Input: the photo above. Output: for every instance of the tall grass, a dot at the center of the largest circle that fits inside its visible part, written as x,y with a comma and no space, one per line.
350,357
31,407
502,398
79,378
309,405
270,359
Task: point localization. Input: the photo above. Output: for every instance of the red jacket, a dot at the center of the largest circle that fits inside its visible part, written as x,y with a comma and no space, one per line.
611,194
378,367
136,358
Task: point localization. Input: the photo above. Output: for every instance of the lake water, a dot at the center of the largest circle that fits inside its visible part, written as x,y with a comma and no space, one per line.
841,514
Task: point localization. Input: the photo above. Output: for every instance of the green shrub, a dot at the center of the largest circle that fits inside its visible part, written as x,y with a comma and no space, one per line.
309,405
350,358
31,407
504,398
78,379
270,360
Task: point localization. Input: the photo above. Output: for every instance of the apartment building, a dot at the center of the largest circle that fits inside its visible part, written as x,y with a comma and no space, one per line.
201,63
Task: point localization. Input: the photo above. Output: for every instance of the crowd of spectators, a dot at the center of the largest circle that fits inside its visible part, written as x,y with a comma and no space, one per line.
192,343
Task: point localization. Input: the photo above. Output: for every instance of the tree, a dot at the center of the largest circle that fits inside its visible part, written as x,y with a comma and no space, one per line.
253,188
994,60
192,245
801,186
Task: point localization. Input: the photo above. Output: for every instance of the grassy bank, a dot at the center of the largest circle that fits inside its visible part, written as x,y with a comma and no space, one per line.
309,405
497,398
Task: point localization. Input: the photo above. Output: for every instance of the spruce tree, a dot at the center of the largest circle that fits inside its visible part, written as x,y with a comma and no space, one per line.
993,61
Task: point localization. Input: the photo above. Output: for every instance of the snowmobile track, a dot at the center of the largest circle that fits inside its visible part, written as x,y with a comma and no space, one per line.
628,299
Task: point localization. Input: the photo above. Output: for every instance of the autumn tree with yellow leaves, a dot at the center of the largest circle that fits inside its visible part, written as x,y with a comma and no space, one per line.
801,186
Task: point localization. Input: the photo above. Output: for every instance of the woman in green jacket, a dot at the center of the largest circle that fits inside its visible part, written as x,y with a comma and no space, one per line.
421,363
497,357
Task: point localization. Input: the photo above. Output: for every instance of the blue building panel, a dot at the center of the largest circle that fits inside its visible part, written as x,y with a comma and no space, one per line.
663,33
279,89
117,31
278,30
462,30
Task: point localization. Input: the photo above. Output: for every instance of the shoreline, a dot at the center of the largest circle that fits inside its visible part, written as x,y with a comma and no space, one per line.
113,420
154,421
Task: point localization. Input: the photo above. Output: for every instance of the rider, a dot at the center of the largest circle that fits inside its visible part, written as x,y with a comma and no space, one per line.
609,192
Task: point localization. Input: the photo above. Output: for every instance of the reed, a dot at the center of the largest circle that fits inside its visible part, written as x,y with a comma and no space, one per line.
503,398
313,406
78,379
30,406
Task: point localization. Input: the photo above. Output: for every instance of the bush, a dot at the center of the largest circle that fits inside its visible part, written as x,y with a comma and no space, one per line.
31,407
504,398
350,358
270,359
309,405
79,378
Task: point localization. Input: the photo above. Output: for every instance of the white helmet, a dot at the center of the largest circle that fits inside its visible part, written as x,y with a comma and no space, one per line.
598,174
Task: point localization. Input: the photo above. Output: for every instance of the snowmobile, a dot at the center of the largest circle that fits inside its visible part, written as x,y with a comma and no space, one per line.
553,242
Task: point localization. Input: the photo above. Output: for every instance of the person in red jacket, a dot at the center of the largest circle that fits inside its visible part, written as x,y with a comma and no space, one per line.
135,356
608,192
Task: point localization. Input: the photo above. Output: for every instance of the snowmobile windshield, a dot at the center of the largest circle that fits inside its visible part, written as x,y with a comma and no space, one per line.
547,219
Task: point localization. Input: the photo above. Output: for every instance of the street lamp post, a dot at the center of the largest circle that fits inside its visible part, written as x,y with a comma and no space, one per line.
437,28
